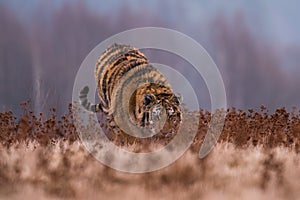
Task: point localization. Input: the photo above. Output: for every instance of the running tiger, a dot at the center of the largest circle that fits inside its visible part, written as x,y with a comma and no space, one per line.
147,102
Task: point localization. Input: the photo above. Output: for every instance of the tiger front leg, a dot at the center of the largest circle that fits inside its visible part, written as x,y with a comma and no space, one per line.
120,138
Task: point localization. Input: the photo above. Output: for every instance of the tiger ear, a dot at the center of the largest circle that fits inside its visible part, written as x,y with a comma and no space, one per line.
148,98
177,99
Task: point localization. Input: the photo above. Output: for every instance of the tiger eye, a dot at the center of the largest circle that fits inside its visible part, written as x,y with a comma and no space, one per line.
148,98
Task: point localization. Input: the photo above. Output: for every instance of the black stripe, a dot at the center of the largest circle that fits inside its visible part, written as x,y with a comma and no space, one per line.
114,66
118,73
82,96
84,102
100,78
111,55
85,90
116,59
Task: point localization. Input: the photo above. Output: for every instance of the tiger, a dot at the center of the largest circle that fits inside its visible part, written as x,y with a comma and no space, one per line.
146,103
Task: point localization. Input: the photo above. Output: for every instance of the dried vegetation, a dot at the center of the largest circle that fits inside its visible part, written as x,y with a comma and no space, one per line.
257,156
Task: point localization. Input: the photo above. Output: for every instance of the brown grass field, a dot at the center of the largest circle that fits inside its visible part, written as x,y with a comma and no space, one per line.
257,157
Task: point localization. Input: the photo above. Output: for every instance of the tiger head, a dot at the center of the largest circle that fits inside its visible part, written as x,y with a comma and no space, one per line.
150,101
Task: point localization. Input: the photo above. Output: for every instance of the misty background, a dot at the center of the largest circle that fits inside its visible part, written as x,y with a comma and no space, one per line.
255,44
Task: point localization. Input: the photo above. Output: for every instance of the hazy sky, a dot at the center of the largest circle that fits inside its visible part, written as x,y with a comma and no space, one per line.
277,20
256,47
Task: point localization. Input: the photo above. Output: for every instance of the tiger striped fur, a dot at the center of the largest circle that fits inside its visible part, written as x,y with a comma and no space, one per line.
146,102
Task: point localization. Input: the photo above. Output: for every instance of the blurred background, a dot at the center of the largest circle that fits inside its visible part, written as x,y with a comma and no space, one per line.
255,44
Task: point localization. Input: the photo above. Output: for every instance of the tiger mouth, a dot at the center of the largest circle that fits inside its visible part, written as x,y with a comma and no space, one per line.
154,115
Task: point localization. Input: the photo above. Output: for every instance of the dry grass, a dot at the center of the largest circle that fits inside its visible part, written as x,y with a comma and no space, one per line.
257,157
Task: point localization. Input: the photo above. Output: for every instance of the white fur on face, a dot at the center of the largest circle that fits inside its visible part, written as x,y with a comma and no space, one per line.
155,112
170,111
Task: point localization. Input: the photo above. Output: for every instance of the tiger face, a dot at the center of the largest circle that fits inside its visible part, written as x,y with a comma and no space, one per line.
150,101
